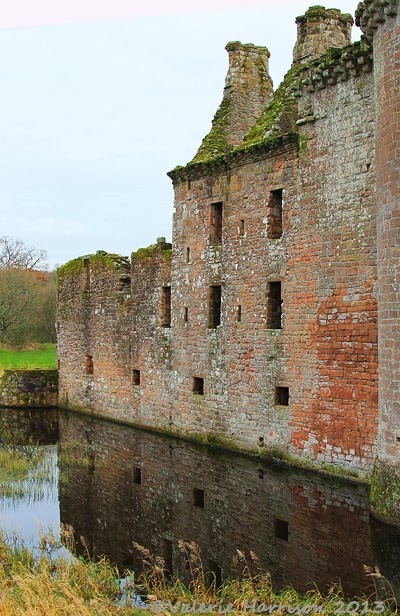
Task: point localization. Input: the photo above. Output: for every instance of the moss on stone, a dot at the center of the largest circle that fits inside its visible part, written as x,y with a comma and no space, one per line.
215,143
99,260
150,251
318,11
385,491
280,115
71,268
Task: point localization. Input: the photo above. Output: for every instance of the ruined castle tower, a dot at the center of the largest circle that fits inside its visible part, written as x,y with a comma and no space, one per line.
380,21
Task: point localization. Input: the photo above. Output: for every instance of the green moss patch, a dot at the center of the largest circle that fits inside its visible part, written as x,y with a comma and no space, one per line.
215,143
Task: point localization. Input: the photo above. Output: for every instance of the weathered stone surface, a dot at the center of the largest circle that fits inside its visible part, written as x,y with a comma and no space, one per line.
318,30
386,41
28,388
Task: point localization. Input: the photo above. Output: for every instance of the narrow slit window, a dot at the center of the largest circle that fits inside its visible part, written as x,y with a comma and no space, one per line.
274,305
275,214
58,364
241,227
186,315
214,307
189,184
187,254
198,498
166,555
166,307
198,386
282,396
239,313
137,476
216,223
89,366
215,575
136,377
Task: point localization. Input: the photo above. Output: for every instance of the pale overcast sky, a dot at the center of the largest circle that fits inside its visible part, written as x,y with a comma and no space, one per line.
101,98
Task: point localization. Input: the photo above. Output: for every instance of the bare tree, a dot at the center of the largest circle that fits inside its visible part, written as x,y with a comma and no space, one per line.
15,253
17,299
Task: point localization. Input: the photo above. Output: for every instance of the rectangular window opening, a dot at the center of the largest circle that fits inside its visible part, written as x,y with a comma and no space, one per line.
198,498
189,184
58,364
215,575
136,377
282,396
275,214
281,529
188,255
137,476
186,315
241,227
239,314
89,365
166,307
274,305
198,386
214,307
166,555
216,223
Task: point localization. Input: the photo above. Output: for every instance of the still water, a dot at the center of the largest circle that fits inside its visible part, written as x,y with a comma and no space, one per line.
119,488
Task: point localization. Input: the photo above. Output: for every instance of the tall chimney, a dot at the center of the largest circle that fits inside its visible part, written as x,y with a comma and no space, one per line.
319,29
248,89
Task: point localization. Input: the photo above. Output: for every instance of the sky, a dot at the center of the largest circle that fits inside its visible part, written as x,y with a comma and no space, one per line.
100,98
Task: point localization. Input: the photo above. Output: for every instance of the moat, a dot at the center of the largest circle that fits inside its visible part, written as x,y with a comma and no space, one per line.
118,487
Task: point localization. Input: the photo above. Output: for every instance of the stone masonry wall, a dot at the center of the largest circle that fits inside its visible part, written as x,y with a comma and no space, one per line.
330,302
383,25
28,388
240,361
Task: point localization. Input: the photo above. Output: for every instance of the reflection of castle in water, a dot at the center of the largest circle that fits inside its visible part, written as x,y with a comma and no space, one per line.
121,486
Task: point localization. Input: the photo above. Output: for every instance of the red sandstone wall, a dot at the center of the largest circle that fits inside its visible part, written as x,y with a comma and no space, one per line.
330,301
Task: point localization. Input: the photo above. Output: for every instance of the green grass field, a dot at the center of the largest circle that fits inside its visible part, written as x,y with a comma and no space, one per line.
43,357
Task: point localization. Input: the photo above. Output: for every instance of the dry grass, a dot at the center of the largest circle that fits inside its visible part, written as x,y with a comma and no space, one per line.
52,586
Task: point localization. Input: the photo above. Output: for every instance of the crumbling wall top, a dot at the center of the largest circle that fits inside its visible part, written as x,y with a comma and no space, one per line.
371,13
318,30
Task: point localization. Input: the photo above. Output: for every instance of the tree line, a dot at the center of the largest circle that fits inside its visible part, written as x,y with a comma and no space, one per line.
27,294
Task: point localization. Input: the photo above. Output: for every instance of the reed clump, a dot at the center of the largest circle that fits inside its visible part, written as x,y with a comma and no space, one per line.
50,584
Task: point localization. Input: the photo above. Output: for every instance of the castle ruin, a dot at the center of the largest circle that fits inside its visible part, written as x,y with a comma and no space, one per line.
263,326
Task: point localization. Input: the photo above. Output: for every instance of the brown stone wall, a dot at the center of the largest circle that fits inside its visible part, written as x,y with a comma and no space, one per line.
109,316
28,388
240,361
387,62
330,300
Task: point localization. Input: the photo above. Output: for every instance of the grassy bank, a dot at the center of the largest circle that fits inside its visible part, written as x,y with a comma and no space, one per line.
42,357
50,585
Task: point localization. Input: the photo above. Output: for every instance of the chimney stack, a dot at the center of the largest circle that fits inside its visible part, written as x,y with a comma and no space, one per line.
319,29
